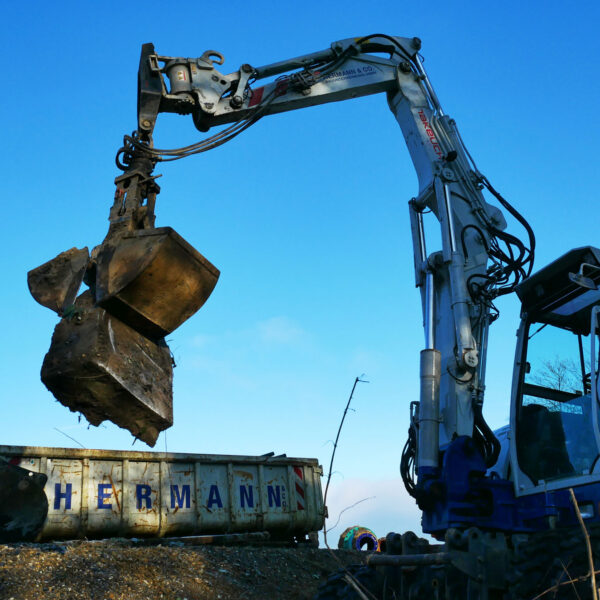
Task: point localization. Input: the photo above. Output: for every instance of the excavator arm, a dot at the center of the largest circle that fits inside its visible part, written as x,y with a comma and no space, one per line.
348,69
139,275
457,283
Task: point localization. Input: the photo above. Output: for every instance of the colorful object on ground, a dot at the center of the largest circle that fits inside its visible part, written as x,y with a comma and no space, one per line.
358,538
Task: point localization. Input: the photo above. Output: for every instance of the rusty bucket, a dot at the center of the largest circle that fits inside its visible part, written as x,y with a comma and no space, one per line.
23,503
104,369
152,280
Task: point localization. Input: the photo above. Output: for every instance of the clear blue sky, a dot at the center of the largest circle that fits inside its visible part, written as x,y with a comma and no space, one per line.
304,214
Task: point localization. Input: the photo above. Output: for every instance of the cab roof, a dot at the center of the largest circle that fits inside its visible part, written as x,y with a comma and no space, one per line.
549,296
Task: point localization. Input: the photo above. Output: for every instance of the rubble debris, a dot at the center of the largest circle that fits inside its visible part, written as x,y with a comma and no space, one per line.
104,369
118,571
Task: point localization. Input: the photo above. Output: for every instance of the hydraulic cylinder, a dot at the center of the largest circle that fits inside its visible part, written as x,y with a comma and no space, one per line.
429,409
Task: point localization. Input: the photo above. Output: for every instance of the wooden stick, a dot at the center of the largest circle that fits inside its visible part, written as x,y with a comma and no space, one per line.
588,545
351,581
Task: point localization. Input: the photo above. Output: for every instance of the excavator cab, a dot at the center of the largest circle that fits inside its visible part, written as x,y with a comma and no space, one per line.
555,389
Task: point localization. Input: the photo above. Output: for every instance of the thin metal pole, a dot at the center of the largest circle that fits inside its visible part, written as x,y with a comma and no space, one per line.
434,99
429,312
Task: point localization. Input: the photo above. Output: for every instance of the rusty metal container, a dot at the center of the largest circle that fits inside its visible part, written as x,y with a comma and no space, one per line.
104,493
23,504
153,280
102,368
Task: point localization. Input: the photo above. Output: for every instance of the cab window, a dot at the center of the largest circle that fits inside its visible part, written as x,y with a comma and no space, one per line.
555,431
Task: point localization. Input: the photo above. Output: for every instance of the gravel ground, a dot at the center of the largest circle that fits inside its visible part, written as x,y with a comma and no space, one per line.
118,570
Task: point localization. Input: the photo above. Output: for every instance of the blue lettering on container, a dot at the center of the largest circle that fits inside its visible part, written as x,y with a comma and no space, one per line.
66,495
182,499
274,495
246,495
214,497
142,492
104,494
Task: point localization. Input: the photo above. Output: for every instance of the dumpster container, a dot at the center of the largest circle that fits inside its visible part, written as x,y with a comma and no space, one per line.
104,493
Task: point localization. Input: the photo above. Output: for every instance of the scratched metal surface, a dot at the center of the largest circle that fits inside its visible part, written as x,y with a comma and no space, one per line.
103,493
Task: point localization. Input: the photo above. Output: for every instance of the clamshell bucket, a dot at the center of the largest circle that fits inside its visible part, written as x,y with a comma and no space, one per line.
108,358
55,283
104,369
152,280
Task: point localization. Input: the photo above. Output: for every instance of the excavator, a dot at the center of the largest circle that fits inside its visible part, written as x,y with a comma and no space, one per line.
514,513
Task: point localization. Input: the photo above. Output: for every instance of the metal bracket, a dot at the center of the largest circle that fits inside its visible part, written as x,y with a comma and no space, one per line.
206,61
237,99
128,212
485,559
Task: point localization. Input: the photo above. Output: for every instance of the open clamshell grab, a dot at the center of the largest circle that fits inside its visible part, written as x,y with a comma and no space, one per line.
108,358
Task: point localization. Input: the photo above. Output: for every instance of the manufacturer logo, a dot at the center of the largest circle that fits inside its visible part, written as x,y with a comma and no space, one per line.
431,135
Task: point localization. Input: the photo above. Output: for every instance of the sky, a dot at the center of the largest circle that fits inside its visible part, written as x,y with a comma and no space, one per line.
305,214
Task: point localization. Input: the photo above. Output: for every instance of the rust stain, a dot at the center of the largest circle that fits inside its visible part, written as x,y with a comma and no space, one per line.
112,485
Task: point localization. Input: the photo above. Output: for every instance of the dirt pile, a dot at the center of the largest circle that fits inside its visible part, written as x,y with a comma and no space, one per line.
118,570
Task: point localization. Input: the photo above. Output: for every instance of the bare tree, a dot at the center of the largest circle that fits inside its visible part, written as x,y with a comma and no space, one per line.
559,374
